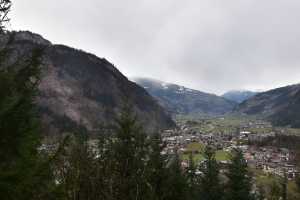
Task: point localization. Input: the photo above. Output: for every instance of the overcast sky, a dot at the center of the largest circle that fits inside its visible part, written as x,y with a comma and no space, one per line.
210,45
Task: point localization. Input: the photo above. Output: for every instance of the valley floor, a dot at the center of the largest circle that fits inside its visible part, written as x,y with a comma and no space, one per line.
271,152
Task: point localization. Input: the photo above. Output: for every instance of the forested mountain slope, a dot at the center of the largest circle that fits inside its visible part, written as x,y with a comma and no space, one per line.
281,105
181,100
78,89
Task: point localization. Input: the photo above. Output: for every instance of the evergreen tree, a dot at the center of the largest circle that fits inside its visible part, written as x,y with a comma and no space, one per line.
76,172
192,179
157,169
20,167
105,178
211,188
274,191
129,151
239,184
24,172
176,180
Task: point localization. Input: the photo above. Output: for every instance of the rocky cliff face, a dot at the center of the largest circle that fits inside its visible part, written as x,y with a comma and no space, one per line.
78,89
181,100
281,106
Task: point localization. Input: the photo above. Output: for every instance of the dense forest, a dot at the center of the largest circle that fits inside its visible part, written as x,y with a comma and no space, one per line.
124,163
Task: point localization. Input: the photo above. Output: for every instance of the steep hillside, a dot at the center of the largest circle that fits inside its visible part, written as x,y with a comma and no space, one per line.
281,106
181,100
238,96
80,89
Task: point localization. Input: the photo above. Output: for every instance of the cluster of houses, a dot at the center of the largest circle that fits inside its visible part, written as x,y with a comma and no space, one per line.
278,161
272,160
259,124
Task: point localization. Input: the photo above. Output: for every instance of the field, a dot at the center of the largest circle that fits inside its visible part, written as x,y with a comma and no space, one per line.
222,124
230,124
199,149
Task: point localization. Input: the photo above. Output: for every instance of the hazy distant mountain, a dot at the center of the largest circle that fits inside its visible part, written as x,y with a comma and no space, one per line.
80,89
281,106
181,100
239,96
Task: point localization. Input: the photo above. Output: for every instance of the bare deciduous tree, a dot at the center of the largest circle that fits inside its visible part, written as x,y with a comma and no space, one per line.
4,9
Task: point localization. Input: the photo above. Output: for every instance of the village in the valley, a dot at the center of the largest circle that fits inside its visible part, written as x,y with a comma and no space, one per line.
188,139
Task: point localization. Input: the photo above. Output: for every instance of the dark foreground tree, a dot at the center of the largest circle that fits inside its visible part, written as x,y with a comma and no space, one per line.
25,173
274,192
130,155
176,180
192,179
157,173
125,164
239,184
21,166
76,170
211,188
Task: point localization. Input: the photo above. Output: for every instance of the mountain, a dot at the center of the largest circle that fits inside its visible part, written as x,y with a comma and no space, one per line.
281,106
78,89
181,100
238,96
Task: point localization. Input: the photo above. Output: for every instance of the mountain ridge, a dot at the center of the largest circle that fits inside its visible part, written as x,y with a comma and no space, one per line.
239,96
280,105
83,89
182,100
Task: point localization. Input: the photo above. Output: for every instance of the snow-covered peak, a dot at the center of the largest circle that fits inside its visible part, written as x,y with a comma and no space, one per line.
164,85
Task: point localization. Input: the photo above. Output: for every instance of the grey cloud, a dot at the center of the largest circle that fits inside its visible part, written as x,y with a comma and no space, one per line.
211,45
